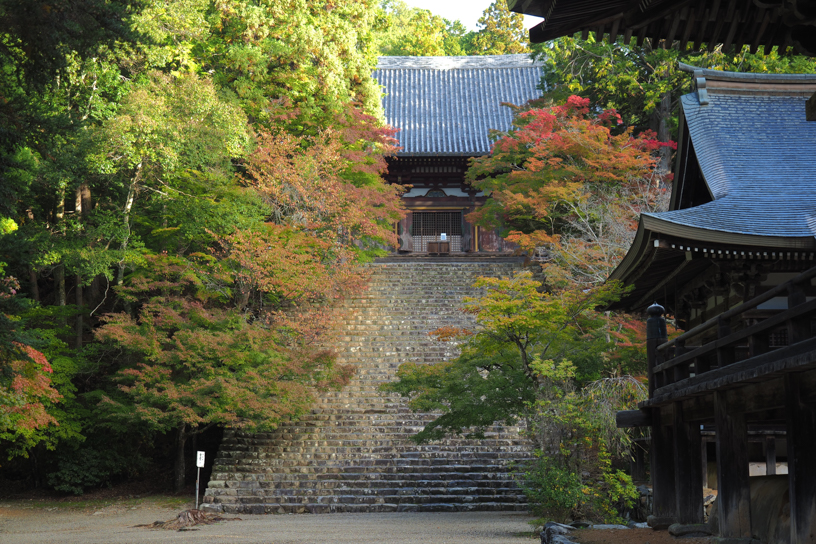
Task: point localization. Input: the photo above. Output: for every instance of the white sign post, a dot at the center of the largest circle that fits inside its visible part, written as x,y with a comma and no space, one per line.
199,464
443,237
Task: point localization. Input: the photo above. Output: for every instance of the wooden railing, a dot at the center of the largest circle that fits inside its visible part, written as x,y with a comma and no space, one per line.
735,339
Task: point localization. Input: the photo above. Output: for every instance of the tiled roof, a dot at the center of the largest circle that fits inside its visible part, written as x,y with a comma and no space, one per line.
757,153
448,105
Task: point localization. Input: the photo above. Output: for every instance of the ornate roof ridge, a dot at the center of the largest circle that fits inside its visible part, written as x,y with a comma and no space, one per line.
709,81
457,63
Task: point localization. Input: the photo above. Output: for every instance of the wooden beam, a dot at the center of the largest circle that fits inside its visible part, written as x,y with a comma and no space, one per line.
770,455
718,26
801,356
664,499
641,36
733,485
687,31
801,442
798,313
638,466
758,36
613,34
731,31
687,468
698,41
673,29
633,418
746,16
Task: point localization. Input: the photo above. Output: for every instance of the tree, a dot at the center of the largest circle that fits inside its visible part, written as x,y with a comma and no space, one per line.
25,385
643,82
191,363
567,183
417,32
161,134
166,127
563,181
501,32
330,184
518,325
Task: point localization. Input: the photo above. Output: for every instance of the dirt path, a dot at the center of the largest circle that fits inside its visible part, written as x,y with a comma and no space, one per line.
115,525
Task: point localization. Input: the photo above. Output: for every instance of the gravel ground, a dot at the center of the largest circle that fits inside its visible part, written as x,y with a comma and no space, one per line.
115,525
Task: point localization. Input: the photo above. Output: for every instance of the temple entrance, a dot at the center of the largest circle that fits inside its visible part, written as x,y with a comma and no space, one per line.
429,227
421,227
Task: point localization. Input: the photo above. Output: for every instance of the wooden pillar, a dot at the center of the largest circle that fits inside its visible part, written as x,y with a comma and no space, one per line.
733,485
801,438
770,455
687,468
638,462
799,328
655,335
662,464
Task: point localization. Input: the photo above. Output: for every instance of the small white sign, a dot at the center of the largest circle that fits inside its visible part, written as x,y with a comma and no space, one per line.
200,460
443,237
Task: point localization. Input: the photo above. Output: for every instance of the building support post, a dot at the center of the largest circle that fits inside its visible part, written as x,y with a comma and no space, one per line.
664,498
801,439
733,485
687,468
662,450
770,455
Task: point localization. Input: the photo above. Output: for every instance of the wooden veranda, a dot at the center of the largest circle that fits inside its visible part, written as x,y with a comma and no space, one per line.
726,373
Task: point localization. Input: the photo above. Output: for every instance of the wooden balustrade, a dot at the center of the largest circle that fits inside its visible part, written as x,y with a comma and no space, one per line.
675,362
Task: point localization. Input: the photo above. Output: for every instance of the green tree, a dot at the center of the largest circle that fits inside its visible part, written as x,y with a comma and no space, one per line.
495,377
643,82
417,32
501,32
133,139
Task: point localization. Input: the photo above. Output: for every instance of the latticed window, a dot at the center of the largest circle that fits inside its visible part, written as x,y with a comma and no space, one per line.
429,226
435,193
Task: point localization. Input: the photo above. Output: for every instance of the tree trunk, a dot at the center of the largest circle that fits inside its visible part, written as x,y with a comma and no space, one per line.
83,208
180,470
59,280
35,289
83,200
131,196
79,303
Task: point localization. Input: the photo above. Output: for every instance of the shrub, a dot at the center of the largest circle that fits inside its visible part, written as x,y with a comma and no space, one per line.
87,468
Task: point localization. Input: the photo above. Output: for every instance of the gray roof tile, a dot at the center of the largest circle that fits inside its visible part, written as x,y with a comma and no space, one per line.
757,153
448,105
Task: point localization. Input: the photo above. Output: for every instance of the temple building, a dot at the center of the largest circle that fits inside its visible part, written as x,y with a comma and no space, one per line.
766,23
734,261
445,109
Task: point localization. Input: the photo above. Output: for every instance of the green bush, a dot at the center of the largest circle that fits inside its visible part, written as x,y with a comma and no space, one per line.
85,468
554,493
572,476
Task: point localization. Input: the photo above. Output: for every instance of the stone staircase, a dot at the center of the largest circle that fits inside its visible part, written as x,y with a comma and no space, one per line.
352,453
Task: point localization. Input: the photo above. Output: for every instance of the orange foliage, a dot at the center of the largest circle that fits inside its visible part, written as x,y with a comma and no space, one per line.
566,180
21,401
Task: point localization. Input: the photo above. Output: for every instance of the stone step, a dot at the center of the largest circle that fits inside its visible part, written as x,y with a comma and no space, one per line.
352,452
311,508
411,496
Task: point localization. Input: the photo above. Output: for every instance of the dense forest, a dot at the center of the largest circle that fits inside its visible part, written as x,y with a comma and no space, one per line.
188,189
